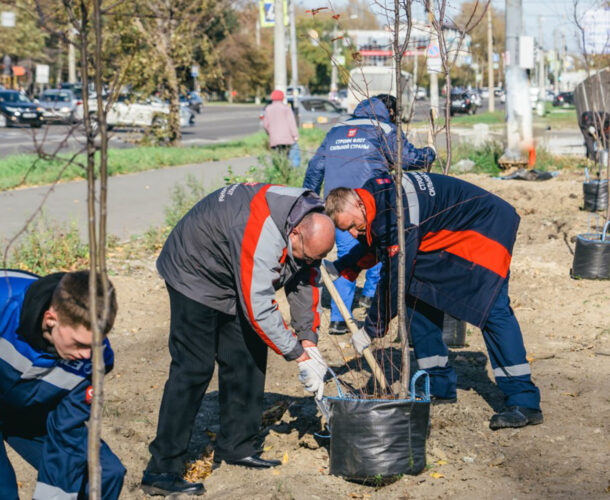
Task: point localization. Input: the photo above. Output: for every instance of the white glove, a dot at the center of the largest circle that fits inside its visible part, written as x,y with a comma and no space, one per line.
314,353
360,341
311,374
331,269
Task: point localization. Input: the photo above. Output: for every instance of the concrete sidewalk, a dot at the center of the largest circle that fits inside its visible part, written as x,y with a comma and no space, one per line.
135,201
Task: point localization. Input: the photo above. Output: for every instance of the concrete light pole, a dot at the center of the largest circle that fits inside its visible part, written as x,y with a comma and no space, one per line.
434,99
334,87
490,67
279,47
518,108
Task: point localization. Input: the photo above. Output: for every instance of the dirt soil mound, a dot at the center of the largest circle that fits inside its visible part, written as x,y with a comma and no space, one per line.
566,326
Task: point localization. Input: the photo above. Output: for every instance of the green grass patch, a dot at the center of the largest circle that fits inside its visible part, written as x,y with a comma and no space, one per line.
27,170
487,117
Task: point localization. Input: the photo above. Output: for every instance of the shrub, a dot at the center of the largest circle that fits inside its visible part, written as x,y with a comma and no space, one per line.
49,247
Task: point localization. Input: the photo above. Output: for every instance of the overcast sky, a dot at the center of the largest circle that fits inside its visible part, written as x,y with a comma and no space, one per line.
556,15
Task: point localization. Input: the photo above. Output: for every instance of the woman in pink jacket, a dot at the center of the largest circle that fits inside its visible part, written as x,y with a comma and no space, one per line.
280,124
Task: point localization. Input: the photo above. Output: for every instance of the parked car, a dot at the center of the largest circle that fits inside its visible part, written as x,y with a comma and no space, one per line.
61,105
317,112
17,108
564,99
301,90
420,93
475,96
340,99
134,111
461,102
484,93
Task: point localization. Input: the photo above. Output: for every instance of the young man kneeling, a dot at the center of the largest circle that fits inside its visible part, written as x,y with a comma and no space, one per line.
45,382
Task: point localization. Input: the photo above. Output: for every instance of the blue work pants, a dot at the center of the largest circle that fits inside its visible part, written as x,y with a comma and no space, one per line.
505,348
345,287
32,448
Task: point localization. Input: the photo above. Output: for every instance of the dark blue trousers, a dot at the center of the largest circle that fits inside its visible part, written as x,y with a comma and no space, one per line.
32,451
505,348
345,287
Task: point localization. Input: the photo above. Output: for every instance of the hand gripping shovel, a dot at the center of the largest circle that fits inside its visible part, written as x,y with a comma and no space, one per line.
368,355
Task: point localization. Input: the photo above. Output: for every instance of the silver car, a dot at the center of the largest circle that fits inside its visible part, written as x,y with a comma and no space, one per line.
318,112
61,105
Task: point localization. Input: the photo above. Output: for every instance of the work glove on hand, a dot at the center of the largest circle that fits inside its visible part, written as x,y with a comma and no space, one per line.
311,374
314,353
331,269
360,341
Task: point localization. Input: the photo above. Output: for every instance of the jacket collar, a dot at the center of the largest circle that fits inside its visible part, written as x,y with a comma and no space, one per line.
371,211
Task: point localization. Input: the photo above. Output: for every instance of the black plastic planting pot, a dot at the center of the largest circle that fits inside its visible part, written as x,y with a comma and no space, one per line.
596,195
374,440
592,255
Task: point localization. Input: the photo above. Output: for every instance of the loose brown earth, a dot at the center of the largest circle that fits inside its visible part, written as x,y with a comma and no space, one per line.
566,325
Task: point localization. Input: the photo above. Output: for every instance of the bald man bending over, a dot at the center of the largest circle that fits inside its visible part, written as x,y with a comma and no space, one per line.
222,264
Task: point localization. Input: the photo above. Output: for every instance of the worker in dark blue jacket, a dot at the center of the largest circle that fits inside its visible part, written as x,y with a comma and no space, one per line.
45,383
353,152
459,241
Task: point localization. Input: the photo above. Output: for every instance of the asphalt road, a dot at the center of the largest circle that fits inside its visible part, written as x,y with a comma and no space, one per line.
216,123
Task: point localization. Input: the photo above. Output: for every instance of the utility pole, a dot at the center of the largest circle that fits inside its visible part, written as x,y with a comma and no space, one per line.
518,109
541,82
490,67
294,64
257,31
334,87
434,101
71,59
279,47
563,55
556,62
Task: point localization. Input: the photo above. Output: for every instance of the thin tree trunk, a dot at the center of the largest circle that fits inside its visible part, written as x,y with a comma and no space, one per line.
402,319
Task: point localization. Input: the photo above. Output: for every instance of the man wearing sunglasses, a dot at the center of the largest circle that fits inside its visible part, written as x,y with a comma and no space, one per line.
222,265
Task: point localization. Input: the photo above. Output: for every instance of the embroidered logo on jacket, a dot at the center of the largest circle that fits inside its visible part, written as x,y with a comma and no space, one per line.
382,181
352,132
89,395
393,250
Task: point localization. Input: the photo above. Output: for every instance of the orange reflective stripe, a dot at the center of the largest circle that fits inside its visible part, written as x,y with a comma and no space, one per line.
371,210
471,246
259,211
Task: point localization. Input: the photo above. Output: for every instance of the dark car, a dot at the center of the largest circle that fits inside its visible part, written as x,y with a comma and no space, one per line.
16,108
462,102
564,99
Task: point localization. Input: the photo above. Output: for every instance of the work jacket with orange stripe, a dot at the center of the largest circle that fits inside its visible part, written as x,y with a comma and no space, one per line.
459,241
232,251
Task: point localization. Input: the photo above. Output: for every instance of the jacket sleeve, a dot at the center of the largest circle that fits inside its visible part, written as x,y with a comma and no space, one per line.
412,158
63,464
259,249
303,294
359,257
316,169
385,301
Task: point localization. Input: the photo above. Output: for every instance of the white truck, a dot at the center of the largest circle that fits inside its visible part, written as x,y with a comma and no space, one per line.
369,81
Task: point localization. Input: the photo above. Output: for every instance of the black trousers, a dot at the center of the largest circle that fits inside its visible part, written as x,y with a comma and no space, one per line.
200,336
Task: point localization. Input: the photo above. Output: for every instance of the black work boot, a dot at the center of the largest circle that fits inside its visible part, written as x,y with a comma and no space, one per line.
515,416
169,483
337,328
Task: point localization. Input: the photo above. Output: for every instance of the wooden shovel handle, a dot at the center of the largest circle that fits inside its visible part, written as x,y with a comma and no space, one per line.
353,328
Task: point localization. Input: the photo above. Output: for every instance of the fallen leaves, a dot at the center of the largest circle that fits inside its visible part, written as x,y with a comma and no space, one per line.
436,475
198,470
